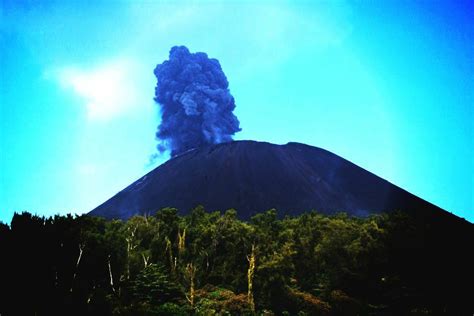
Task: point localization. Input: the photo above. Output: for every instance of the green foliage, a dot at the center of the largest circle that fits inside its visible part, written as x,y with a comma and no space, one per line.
220,301
168,264
153,286
171,309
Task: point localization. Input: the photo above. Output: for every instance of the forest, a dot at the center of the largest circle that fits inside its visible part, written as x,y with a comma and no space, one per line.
212,263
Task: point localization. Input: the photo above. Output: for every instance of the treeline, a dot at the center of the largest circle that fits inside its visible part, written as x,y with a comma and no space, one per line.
214,264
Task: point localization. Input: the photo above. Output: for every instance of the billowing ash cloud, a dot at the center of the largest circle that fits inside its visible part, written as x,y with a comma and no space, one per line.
195,101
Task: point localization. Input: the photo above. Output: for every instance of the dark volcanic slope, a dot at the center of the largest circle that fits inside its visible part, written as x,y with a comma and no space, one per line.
256,176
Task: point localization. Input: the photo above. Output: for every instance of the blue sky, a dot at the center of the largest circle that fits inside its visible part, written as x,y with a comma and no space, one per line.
387,85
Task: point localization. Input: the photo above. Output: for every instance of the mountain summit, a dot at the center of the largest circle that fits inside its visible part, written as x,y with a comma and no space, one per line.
252,177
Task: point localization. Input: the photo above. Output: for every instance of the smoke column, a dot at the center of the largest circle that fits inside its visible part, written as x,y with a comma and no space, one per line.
195,101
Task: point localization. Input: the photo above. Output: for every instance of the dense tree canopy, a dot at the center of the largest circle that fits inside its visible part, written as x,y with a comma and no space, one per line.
214,264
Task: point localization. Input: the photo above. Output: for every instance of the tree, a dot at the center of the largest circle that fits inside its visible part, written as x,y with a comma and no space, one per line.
153,286
250,273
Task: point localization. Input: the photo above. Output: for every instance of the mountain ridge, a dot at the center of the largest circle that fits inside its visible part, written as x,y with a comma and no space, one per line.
252,176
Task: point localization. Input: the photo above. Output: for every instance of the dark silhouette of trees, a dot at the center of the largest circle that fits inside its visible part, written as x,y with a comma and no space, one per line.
212,263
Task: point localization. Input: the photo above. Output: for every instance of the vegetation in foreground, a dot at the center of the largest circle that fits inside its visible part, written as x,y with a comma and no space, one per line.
213,264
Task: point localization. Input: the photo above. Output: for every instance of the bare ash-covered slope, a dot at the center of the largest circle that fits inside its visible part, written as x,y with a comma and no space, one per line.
252,177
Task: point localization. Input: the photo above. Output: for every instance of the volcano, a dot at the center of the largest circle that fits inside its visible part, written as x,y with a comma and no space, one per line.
252,177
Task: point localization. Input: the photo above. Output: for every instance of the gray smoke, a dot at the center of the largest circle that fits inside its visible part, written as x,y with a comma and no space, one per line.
196,105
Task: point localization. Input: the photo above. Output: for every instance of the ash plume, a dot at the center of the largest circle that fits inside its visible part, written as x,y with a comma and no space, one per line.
196,105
